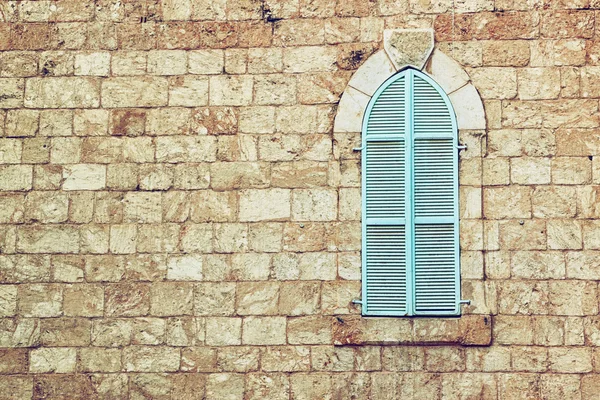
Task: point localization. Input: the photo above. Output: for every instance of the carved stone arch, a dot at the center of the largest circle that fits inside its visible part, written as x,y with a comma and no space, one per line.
403,48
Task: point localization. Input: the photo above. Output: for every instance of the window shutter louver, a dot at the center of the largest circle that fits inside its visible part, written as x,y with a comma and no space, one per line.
410,200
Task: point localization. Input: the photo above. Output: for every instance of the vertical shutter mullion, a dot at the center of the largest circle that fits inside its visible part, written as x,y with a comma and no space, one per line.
409,214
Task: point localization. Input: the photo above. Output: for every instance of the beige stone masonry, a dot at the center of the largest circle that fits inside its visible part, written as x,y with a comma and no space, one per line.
414,48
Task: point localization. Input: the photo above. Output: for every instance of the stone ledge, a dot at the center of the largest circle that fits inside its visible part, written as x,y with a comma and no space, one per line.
468,330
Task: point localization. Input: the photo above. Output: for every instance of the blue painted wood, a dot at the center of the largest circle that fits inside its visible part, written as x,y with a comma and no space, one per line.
410,243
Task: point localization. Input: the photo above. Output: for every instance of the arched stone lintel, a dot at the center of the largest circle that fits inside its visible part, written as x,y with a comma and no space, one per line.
380,66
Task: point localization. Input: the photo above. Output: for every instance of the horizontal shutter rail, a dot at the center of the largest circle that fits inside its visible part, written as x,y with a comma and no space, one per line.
385,138
386,221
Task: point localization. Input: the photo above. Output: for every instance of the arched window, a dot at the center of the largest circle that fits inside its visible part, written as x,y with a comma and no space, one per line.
410,200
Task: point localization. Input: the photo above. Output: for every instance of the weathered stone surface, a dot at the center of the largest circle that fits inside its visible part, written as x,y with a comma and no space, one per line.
468,108
62,93
264,205
151,359
408,46
350,111
372,73
134,92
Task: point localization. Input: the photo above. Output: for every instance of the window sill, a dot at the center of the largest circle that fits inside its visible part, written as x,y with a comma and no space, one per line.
468,330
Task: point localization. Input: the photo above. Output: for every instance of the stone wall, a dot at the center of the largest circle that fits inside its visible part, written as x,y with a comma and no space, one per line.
179,219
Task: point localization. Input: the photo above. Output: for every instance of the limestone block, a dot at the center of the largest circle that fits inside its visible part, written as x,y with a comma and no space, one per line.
111,332
285,358
151,359
167,62
40,300
530,170
299,174
231,238
185,267
8,300
10,151
199,359
123,238
325,358
142,207
317,266
222,331
83,300
350,111
196,238
308,59
507,202
264,205
540,265
150,331
129,63
62,93
468,108
170,298
179,149
11,92
134,92
265,237
299,298
188,91
211,206
257,298
84,177
65,332
12,208
22,123
230,176
446,72
309,330
531,235
376,70
205,62
224,386
267,386
16,177
100,360
48,239
238,359
521,297
127,299
572,297
564,234
46,207
104,268
408,46
191,176
486,81
214,299
349,266
310,386
314,205
538,83
250,266
231,90
554,202
264,330
56,360
275,89
571,170
97,64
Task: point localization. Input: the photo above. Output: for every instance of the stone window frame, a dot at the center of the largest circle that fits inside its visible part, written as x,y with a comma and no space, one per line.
412,48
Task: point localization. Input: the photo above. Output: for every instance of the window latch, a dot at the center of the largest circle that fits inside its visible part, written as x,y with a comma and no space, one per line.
467,302
361,148
461,147
357,301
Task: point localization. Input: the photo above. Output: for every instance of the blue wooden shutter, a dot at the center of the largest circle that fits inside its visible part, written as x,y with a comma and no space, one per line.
410,200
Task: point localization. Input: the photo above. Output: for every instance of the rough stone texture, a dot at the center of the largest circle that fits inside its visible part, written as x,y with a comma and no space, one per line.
409,47
180,199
